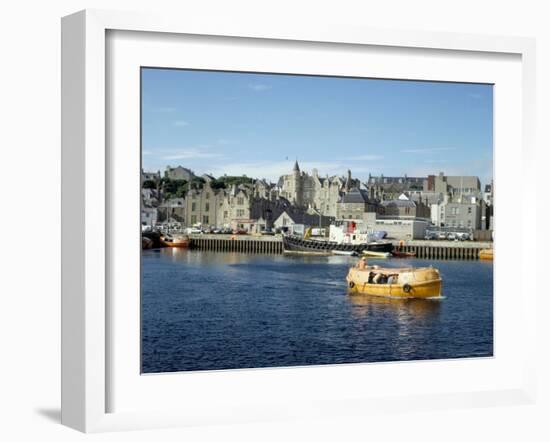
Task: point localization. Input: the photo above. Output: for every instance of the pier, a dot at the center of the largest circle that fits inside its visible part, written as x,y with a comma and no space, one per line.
238,243
448,250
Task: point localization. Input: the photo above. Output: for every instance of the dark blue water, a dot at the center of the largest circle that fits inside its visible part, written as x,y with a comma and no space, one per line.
210,311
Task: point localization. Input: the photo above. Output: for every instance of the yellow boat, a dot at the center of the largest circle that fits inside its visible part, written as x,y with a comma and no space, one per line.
373,254
486,254
406,282
175,241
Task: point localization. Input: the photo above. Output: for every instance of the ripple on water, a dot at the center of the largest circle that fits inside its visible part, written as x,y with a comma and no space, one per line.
209,311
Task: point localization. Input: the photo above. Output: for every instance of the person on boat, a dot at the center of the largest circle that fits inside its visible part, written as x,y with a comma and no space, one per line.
362,264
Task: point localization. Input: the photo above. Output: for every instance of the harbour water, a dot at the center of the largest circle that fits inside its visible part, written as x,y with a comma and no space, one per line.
208,311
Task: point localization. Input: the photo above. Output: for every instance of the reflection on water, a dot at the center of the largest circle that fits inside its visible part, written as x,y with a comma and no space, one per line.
206,310
365,304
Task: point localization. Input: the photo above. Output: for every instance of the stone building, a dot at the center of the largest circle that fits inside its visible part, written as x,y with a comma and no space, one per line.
202,205
292,217
354,203
464,212
172,210
321,193
390,188
454,186
235,206
403,208
178,173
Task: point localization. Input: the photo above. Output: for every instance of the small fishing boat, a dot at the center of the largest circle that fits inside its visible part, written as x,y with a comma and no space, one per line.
486,254
405,282
399,254
344,252
175,240
373,254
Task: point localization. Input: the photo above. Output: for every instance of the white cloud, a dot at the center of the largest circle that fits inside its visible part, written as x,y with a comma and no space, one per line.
181,123
367,157
259,87
428,150
273,170
189,154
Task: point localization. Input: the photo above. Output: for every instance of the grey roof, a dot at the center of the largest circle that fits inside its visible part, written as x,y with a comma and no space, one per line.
355,195
399,203
463,181
302,217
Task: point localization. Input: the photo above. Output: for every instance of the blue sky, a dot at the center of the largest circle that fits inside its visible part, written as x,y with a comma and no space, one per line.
258,124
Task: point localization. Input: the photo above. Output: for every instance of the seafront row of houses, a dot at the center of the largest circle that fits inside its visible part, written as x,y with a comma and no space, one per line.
405,207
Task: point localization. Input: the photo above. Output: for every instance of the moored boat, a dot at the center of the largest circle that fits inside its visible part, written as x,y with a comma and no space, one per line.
295,243
405,282
373,254
175,241
399,254
486,254
344,236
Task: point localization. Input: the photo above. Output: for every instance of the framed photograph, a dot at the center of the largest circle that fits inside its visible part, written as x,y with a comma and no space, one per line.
266,222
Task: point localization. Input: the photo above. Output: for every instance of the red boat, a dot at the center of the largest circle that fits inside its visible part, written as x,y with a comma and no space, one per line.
399,254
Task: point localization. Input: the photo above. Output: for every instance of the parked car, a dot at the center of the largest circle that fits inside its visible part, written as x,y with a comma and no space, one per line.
452,236
268,232
463,236
441,235
239,232
430,236
193,230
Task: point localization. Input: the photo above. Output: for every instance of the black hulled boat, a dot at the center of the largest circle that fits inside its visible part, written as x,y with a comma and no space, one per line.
298,244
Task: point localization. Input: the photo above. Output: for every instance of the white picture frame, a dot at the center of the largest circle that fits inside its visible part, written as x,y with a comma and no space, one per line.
86,316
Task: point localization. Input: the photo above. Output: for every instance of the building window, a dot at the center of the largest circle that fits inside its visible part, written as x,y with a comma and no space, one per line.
240,213
207,207
205,219
469,210
207,196
225,214
193,219
193,206
240,201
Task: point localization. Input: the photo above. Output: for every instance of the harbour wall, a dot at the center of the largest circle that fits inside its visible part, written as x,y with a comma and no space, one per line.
466,250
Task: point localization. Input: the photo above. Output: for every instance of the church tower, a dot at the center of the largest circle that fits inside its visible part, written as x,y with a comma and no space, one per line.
298,187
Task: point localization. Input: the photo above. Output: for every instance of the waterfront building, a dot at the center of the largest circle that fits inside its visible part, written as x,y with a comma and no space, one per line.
390,188
172,210
402,218
354,203
235,206
297,220
264,189
464,212
202,205
320,193
405,208
178,173
455,186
